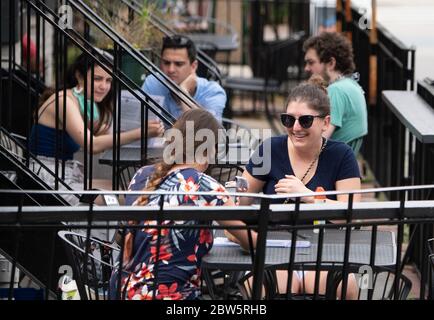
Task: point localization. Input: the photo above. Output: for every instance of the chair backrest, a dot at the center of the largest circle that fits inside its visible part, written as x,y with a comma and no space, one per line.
92,261
245,285
224,172
270,60
383,284
126,175
243,134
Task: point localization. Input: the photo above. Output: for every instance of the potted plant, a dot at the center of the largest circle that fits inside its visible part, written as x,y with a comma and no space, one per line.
134,28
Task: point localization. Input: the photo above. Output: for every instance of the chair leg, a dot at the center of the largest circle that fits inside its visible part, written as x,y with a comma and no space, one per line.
209,281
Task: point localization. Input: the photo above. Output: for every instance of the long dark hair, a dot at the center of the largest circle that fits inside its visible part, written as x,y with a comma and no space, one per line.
201,119
83,64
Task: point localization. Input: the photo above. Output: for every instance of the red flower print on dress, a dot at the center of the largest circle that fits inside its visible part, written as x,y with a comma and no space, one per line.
153,231
190,186
163,256
180,249
205,236
192,258
166,293
221,189
144,272
140,293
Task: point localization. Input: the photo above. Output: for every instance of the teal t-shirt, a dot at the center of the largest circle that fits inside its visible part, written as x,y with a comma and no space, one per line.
348,110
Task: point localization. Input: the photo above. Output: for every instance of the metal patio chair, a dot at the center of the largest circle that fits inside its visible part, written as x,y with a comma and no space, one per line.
92,261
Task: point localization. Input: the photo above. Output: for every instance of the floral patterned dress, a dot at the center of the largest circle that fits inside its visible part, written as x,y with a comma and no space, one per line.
181,250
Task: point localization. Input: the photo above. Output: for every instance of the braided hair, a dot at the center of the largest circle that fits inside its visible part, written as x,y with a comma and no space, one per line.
201,119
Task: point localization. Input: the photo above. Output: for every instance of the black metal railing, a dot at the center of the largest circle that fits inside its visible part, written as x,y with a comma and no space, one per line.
159,28
36,18
355,242
398,148
425,89
64,38
273,61
384,63
247,19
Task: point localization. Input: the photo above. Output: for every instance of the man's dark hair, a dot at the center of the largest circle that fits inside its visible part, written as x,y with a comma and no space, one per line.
180,42
333,45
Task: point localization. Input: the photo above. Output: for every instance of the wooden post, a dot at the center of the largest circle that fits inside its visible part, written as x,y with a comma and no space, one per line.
348,18
373,39
339,16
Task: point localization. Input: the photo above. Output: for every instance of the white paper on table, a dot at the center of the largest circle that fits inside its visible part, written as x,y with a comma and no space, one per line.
225,242
131,117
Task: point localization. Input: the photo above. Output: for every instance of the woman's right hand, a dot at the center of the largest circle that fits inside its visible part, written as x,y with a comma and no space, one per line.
155,128
292,184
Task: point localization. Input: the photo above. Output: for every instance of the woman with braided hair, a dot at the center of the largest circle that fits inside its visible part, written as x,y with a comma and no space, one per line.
181,250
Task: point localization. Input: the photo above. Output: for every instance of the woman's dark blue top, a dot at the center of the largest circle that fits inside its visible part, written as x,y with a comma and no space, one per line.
43,142
336,162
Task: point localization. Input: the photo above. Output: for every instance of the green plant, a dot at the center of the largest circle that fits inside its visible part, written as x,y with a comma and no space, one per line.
133,28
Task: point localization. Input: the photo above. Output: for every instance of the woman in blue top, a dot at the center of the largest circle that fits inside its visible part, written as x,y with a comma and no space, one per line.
181,250
43,134
303,160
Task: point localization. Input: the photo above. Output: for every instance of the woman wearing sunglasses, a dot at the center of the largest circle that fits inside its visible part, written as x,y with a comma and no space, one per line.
303,160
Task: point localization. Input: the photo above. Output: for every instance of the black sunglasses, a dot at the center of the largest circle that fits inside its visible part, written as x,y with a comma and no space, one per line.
304,121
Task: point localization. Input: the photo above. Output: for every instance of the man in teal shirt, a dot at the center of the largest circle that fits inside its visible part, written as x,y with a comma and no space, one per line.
330,55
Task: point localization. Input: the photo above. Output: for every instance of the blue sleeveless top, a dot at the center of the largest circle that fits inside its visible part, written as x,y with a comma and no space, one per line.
43,138
43,142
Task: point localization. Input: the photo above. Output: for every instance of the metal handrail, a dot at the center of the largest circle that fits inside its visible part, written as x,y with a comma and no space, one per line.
202,57
242,194
97,56
136,54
